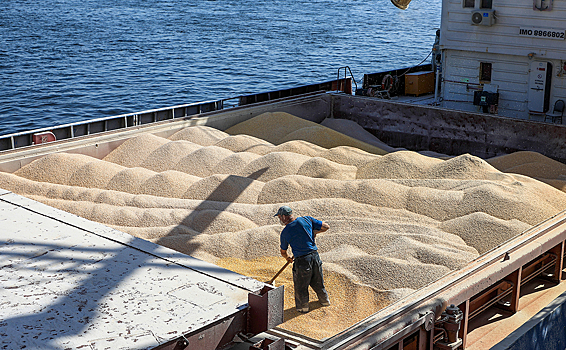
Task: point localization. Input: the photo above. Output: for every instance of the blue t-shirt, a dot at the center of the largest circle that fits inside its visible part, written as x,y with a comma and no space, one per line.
299,234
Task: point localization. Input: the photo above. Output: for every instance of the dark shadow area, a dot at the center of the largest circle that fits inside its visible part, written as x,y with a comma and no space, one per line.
537,285
223,198
497,313
255,175
491,315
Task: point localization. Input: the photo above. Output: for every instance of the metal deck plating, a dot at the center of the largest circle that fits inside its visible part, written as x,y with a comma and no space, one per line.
68,283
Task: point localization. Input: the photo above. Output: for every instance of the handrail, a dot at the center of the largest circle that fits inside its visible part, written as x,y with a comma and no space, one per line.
345,72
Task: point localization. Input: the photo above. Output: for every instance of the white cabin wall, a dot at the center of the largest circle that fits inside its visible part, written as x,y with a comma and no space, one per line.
465,45
503,37
509,73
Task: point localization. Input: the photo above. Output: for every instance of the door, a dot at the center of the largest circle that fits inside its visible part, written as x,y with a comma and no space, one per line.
540,77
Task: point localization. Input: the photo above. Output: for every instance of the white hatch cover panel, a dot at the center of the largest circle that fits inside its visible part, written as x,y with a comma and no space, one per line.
65,286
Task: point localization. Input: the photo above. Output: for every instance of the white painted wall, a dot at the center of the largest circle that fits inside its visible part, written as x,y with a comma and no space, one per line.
465,45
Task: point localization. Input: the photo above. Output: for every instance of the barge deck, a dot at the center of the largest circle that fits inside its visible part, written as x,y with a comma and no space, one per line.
70,283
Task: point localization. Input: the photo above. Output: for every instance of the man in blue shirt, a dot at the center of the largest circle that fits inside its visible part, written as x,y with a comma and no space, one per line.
300,234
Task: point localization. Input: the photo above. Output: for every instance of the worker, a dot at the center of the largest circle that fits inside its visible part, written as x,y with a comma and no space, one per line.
300,234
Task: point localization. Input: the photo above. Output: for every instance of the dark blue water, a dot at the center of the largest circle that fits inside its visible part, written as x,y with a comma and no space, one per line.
64,61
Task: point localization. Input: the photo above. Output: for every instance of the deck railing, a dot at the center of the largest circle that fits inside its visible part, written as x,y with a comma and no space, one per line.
93,126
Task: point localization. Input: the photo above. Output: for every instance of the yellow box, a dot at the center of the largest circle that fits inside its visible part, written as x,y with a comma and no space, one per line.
419,83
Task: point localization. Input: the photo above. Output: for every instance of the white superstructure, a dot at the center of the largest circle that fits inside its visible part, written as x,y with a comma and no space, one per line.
514,51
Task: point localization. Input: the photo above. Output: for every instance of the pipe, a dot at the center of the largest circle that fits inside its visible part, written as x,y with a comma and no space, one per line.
436,82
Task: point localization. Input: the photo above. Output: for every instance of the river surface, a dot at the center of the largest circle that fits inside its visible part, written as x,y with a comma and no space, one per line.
64,61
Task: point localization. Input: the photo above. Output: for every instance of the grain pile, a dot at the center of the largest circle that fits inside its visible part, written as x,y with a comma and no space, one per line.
271,127
55,168
130,180
135,150
347,296
397,165
94,174
274,165
534,165
348,156
326,137
353,129
300,147
170,183
235,163
168,155
225,188
261,149
202,135
468,226
241,143
280,127
398,221
327,169
202,162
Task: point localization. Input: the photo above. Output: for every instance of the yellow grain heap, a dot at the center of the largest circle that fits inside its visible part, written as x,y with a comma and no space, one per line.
280,127
534,165
399,221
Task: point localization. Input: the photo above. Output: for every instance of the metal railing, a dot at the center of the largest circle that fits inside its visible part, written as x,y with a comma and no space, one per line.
123,121
93,126
346,70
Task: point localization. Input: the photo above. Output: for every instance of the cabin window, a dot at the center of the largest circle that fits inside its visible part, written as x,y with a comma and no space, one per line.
486,4
469,3
485,72
542,5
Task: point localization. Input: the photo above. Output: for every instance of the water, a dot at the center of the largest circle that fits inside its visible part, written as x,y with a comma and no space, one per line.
63,61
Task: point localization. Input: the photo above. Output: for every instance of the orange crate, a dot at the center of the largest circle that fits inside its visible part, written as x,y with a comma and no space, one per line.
419,83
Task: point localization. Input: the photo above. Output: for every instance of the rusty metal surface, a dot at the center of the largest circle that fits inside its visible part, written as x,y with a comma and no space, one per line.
449,131
269,344
341,84
67,283
218,335
266,309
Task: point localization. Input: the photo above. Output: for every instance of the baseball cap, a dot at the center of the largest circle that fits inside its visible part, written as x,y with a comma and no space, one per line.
284,210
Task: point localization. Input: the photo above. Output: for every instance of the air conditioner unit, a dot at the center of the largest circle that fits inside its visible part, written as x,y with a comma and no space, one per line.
483,17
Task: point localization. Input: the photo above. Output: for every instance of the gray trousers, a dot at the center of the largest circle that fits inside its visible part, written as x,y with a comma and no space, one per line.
307,271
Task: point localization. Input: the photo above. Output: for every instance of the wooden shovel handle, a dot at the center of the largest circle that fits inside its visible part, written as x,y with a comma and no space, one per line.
278,273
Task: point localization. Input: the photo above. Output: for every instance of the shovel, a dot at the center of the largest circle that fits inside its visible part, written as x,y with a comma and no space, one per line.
278,273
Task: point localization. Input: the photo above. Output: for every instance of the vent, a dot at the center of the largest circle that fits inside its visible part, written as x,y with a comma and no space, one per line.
483,17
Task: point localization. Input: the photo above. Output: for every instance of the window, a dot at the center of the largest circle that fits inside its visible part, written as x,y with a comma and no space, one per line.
469,3
542,5
486,4
485,72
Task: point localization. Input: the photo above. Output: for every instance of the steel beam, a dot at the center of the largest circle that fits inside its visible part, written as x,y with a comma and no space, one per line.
216,335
